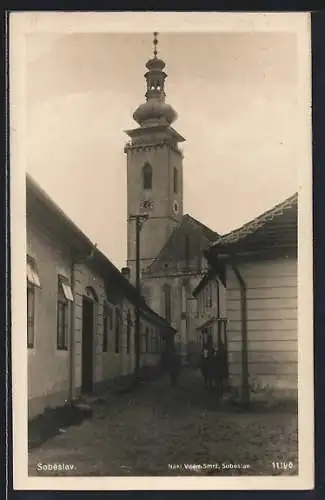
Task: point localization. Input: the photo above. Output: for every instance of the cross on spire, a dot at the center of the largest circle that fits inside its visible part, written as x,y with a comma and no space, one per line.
155,43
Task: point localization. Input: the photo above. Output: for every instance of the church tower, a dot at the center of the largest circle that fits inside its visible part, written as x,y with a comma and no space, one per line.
154,169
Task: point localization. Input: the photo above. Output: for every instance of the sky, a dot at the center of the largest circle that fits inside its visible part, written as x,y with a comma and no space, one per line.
236,95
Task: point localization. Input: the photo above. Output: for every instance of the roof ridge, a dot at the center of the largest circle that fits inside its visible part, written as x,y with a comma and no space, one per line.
185,218
204,226
176,228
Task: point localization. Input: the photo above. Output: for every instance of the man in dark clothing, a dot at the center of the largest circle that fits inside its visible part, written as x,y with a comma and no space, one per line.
174,367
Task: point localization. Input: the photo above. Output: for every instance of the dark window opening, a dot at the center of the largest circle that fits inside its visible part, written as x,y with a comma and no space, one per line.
105,328
175,180
210,302
62,323
128,333
187,251
167,297
118,322
147,176
64,296
146,340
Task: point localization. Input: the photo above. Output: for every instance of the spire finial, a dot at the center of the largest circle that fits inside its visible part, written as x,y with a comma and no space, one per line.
155,43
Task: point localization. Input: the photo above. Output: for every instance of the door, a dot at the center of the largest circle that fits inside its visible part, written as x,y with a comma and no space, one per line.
87,345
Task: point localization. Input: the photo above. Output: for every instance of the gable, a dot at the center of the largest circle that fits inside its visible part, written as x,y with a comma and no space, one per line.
184,249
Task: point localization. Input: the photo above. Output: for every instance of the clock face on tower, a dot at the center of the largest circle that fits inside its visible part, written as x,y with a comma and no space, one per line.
175,207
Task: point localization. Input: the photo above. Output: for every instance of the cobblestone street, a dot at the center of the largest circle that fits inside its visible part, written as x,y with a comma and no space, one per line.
158,429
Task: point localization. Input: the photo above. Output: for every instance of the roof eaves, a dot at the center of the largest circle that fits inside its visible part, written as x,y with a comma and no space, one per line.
97,257
47,201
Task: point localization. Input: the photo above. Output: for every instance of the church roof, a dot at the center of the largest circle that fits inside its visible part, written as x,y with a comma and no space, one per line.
209,233
184,246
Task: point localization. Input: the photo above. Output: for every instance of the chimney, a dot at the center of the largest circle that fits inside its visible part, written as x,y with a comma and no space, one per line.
126,272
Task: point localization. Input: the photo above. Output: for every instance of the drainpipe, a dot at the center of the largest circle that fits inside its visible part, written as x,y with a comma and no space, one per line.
245,394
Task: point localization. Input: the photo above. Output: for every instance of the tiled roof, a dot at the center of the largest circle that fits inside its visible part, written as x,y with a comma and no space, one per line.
279,212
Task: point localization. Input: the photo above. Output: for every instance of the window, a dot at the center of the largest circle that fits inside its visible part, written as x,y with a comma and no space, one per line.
110,318
218,297
187,251
147,176
118,324
105,327
153,341
137,340
33,281
175,180
30,315
150,345
32,272
146,339
210,294
62,324
183,300
167,298
158,342
64,297
128,332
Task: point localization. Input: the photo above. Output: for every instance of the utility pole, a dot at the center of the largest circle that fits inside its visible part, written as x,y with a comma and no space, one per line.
139,220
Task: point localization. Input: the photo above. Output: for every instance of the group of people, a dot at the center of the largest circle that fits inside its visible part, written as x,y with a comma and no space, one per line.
213,365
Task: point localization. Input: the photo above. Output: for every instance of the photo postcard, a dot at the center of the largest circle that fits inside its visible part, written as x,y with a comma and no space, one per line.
161,251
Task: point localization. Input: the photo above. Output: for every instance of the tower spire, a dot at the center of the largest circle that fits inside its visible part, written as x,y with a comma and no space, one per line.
155,111
155,43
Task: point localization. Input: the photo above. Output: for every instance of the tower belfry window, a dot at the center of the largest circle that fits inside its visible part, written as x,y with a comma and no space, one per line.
175,180
147,176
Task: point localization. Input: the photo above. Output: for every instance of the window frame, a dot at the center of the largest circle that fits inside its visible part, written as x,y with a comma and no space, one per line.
128,332
62,336
147,177
32,272
117,333
105,327
175,180
64,296
146,339
168,302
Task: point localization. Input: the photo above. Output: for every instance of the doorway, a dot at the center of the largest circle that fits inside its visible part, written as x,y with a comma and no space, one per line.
87,345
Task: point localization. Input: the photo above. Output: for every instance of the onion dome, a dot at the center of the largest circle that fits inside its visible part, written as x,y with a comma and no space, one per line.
154,111
155,63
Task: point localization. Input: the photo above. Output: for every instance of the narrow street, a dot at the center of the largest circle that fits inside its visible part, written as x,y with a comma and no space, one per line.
163,430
